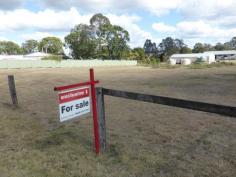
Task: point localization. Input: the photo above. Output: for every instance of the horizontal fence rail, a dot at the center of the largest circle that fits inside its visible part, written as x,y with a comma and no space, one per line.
194,105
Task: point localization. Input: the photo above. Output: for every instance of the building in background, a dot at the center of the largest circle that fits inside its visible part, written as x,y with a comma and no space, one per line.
180,57
224,55
32,56
36,56
208,57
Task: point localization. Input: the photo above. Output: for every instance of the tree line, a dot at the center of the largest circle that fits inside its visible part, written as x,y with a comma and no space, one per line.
52,45
103,40
170,46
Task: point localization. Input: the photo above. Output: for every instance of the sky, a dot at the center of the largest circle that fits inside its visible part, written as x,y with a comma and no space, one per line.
206,21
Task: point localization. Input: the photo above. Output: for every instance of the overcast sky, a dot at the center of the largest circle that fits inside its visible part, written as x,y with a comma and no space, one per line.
193,21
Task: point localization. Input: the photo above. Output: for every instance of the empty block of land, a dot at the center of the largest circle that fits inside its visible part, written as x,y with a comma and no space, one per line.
144,139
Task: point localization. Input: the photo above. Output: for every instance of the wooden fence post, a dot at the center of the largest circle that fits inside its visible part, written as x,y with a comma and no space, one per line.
101,118
12,89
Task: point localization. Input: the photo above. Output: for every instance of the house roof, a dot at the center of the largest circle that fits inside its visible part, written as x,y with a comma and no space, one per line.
190,55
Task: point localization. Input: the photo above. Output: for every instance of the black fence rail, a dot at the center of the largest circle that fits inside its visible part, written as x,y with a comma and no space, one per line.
194,105
187,104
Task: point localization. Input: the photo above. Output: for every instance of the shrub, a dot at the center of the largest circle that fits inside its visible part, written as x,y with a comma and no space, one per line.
53,57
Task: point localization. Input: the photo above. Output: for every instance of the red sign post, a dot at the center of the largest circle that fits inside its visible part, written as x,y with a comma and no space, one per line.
90,83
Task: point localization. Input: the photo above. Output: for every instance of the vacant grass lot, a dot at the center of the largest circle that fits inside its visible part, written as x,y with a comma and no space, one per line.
144,139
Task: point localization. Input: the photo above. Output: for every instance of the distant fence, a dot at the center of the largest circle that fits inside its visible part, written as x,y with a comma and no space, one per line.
12,64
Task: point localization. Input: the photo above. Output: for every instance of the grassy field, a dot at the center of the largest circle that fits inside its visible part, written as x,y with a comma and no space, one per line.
144,140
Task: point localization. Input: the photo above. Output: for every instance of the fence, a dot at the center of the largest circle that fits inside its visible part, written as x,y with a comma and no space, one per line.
98,105
13,64
187,104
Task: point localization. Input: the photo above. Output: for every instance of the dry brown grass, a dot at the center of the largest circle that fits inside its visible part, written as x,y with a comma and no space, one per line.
144,139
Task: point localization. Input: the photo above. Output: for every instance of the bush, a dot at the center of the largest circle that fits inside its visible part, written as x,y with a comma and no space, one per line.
150,61
204,65
53,57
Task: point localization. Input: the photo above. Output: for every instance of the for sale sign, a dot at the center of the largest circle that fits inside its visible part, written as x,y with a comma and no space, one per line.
74,103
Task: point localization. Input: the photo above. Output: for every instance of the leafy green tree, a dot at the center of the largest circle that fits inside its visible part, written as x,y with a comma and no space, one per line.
219,46
231,45
116,38
150,48
10,48
99,39
30,46
200,48
52,45
137,53
99,24
81,41
185,49
170,46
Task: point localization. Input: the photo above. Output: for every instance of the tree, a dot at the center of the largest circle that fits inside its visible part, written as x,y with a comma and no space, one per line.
30,46
200,48
219,46
185,49
10,48
231,45
81,41
137,53
99,39
170,46
116,38
52,45
150,48
99,24
98,21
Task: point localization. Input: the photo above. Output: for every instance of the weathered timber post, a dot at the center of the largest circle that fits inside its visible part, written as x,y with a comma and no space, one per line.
12,89
101,118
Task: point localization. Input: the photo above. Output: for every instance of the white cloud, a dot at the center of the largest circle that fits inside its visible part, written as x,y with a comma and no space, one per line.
35,35
208,8
211,20
10,4
3,38
157,7
201,29
161,27
215,12
137,35
193,31
48,22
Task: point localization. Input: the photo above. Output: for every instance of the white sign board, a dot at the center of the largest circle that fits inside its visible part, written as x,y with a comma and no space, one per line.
74,103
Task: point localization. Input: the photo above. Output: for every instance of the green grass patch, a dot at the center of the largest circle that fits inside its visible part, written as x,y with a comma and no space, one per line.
53,57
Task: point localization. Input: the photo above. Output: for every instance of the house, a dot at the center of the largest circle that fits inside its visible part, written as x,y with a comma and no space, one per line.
209,57
32,56
178,57
224,55
11,57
